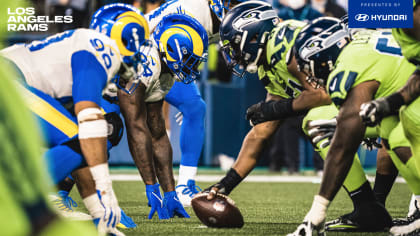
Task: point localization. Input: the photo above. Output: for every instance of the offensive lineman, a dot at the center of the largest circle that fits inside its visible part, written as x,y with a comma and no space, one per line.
288,94
354,68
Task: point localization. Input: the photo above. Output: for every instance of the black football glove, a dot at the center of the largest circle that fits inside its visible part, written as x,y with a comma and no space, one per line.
258,113
215,189
322,131
374,111
371,143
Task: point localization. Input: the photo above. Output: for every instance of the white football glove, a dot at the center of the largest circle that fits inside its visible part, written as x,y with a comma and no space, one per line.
307,229
322,131
112,214
314,221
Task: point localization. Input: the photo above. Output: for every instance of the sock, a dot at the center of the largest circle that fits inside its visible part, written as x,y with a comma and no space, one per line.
66,184
186,173
383,185
362,195
94,206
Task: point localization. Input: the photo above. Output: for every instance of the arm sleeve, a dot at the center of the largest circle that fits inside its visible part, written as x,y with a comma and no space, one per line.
89,77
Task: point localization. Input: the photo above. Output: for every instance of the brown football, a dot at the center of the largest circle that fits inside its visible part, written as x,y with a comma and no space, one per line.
220,212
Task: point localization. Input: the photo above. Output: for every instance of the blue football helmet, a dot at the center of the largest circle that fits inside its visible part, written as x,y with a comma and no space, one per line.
318,46
244,32
183,43
220,7
127,26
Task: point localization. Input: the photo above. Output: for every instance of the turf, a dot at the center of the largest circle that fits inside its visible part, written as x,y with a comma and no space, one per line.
268,209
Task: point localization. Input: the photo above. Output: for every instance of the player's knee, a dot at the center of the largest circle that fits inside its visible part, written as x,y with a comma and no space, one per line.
195,109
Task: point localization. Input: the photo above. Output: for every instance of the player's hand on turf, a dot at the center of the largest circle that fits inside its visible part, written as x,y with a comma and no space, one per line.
173,205
307,229
112,213
156,202
374,111
322,131
256,113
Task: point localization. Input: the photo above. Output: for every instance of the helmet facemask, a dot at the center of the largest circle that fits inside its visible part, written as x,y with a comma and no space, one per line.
317,56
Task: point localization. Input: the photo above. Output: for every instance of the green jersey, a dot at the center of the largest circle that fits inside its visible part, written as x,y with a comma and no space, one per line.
274,73
410,47
372,55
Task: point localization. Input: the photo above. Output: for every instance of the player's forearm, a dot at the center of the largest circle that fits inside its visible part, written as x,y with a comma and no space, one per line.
140,145
411,90
309,99
162,150
253,144
163,162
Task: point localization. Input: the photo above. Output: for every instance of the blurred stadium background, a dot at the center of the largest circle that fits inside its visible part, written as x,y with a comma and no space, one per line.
227,97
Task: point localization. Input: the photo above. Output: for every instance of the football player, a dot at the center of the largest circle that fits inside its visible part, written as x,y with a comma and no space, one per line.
186,96
75,66
261,44
24,207
182,42
373,112
352,70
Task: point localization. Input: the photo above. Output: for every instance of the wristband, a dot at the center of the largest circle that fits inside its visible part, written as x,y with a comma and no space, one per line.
231,180
395,101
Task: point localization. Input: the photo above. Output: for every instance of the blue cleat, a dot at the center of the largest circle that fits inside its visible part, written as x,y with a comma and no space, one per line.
126,222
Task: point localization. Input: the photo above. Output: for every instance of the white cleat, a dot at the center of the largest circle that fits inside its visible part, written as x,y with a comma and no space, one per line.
65,206
186,192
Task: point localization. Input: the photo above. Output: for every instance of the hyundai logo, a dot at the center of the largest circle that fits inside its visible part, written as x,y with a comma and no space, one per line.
362,17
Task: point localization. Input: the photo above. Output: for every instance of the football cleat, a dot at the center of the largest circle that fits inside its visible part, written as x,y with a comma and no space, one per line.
186,192
343,223
308,229
66,206
126,222
408,226
370,217
411,216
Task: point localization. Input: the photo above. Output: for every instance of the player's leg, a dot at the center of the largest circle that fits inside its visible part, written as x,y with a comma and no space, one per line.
357,186
187,99
23,178
406,165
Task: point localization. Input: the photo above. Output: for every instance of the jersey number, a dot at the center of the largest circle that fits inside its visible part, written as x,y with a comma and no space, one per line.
383,46
100,47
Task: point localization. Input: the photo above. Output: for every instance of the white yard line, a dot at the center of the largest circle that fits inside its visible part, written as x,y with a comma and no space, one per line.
252,178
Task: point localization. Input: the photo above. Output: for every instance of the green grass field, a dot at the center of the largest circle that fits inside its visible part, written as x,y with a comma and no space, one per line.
268,209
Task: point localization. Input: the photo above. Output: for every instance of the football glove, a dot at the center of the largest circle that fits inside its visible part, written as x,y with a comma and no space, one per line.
173,205
374,111
156,202
112,214
371,143
106,231
214,190
322,131
307,229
